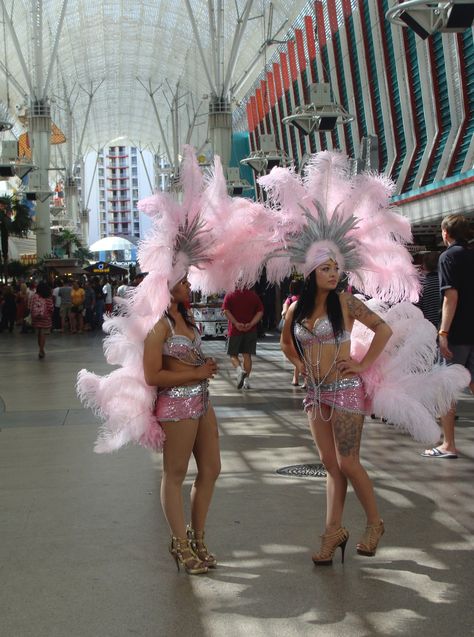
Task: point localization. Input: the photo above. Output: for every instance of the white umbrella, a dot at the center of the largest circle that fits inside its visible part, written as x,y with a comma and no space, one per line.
111,243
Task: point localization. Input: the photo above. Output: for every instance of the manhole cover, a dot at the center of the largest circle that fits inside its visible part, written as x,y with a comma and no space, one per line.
303,471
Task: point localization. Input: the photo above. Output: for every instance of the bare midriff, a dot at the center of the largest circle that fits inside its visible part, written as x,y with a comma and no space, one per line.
326,353
171,364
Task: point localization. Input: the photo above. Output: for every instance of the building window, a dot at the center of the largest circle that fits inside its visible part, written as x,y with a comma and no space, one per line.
135,182
134,171
101,183
134,161
101,172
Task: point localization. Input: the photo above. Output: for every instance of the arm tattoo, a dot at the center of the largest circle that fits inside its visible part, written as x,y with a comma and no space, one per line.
361,312
357,308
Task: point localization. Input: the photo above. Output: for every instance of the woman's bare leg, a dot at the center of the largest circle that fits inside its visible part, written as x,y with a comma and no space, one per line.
207,454
336,482
347,428
180,439
41,340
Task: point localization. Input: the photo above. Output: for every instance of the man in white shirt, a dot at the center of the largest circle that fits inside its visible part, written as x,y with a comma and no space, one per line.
107,290
57,304
122,289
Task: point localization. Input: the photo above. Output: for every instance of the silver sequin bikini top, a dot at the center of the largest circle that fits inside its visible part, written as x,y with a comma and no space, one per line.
183,348
322,332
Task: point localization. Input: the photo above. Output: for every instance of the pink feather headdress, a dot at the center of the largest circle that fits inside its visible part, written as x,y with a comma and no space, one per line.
219,241
328,212
178,240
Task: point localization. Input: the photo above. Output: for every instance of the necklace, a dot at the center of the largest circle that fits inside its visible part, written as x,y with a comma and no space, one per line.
315,378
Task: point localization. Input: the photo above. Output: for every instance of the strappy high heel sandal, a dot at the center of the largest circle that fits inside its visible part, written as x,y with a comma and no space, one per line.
184,555
329,544
197,542
369,541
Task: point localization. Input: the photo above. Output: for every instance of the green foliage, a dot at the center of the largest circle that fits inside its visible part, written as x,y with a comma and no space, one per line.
66,239
14,220
17,269
83,254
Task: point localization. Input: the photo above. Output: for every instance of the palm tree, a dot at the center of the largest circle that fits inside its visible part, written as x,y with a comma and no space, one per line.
15,220
66,239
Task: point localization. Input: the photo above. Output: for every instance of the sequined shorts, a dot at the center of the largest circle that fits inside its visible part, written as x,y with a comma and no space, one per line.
182,403
347,394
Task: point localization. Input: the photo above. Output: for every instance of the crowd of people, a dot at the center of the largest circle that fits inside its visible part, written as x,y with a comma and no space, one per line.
71,305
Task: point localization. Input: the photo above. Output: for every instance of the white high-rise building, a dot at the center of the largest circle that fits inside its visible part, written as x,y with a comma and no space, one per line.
115,179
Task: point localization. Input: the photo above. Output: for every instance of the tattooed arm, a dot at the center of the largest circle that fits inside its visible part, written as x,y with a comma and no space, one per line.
382,333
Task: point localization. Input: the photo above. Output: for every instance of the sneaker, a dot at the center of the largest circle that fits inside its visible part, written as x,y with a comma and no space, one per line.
241,375
246,384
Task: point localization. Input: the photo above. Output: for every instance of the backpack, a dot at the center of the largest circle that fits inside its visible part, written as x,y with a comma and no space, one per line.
38,308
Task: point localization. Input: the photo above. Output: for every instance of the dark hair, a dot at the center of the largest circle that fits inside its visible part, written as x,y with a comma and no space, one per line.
457,226
43,289
305,306
184,313
295,287
430,261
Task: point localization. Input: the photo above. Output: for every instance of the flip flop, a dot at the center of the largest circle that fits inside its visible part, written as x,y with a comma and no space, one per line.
437,453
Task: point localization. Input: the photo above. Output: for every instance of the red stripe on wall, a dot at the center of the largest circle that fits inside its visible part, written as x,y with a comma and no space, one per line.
284,71
310,41
292,58
250,122
253,104
271,89
300,49
320,30
260,107
277,80
332,11
264,89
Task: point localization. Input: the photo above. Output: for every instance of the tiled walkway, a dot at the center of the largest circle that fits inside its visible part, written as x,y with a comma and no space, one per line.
83,544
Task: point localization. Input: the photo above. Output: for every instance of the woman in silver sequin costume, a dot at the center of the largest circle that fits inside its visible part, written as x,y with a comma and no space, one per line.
174,363
316,339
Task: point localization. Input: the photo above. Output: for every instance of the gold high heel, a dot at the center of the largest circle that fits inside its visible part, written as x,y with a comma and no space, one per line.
184,555
369,541
197,542
329,544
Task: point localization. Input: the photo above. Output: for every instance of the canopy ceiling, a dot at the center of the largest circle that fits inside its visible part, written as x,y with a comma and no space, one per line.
105,45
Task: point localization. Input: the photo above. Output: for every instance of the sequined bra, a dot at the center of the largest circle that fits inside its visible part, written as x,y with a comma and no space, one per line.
322,332
183,348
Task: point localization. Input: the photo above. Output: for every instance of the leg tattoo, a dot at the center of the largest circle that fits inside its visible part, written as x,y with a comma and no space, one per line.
347,429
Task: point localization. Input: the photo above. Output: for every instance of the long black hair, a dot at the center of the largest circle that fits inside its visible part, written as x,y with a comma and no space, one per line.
305,306
43,289
184,313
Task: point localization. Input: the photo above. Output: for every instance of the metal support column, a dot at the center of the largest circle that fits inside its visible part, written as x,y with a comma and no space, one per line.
40,130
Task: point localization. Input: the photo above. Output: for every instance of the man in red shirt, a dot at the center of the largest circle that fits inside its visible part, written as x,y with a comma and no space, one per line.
243,310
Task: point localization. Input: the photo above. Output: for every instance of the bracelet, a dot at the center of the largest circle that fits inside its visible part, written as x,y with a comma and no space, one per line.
443,333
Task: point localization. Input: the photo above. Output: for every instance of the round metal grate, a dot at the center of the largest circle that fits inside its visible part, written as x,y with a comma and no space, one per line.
303,471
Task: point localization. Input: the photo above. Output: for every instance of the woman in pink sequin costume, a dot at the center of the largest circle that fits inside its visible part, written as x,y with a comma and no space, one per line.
174,363
42,314
316,339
